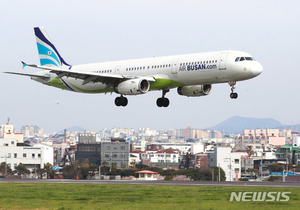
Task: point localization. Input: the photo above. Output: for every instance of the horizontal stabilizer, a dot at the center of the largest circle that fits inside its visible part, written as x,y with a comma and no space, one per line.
29,75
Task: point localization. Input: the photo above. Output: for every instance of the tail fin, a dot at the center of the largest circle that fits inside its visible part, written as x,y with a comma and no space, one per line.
49,55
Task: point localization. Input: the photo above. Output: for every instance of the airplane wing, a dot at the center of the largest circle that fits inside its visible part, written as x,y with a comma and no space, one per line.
87,76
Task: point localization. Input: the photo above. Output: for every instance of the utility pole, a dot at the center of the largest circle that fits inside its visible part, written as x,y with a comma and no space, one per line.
219,173
99,172
5,165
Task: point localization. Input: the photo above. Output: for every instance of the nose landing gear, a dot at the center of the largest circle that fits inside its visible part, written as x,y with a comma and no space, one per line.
233,95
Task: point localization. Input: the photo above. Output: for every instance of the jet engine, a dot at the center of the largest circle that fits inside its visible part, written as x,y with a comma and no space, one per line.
132,87
194,90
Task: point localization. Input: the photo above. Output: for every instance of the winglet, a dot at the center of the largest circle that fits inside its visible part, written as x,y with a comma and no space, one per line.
24,64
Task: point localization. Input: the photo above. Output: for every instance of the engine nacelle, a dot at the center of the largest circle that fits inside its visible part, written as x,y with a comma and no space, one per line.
133,87
194,90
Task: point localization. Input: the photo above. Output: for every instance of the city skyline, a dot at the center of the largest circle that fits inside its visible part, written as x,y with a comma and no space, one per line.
94,33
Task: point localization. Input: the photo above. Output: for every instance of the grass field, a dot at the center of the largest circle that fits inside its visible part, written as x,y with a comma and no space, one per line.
96,196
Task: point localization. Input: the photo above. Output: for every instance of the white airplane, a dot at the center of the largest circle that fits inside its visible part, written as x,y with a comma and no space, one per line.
191,74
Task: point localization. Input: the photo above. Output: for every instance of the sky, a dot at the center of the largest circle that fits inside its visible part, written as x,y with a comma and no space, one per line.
96,31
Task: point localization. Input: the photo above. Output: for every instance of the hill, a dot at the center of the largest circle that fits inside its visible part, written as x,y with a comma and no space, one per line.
71,129
237,124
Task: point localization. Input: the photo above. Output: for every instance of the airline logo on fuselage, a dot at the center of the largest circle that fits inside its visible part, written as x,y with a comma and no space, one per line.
197,67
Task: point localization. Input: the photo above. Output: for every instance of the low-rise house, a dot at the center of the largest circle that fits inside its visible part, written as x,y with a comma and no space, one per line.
146,175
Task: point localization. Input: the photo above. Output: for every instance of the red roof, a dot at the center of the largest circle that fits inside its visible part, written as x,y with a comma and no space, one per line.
146,172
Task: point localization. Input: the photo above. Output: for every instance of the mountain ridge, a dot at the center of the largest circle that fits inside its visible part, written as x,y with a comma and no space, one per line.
237,124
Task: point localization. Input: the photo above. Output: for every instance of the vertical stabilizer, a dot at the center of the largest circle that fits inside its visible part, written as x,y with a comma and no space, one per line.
49,56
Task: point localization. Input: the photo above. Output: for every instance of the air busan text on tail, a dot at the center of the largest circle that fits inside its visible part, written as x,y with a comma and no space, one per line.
192,74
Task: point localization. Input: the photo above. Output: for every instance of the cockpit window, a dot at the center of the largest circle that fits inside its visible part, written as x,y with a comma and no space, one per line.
244,58
249,59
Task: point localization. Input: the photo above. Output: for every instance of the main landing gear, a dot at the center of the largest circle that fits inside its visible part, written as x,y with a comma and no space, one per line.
121,101
233,95
163,102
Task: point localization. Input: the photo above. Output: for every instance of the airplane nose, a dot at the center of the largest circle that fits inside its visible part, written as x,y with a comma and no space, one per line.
257,69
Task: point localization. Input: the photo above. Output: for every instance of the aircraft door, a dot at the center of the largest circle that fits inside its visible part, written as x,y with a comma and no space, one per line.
223,59
175,66
117,70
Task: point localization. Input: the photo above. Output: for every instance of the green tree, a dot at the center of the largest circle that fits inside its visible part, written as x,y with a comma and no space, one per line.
203,173
93,168
83,170
49,170
132,165
113,166
105,170
68,172
215,170
275,167
21,170
85,163
5,169
104,163
39,172
123,165
168,172
250,150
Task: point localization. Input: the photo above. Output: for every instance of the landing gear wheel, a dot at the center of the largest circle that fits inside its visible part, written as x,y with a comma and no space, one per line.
162,102
166,102
118,101
121,101
124,101
233,95
159,102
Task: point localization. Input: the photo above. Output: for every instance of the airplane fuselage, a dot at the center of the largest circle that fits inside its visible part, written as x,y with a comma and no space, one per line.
168,71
